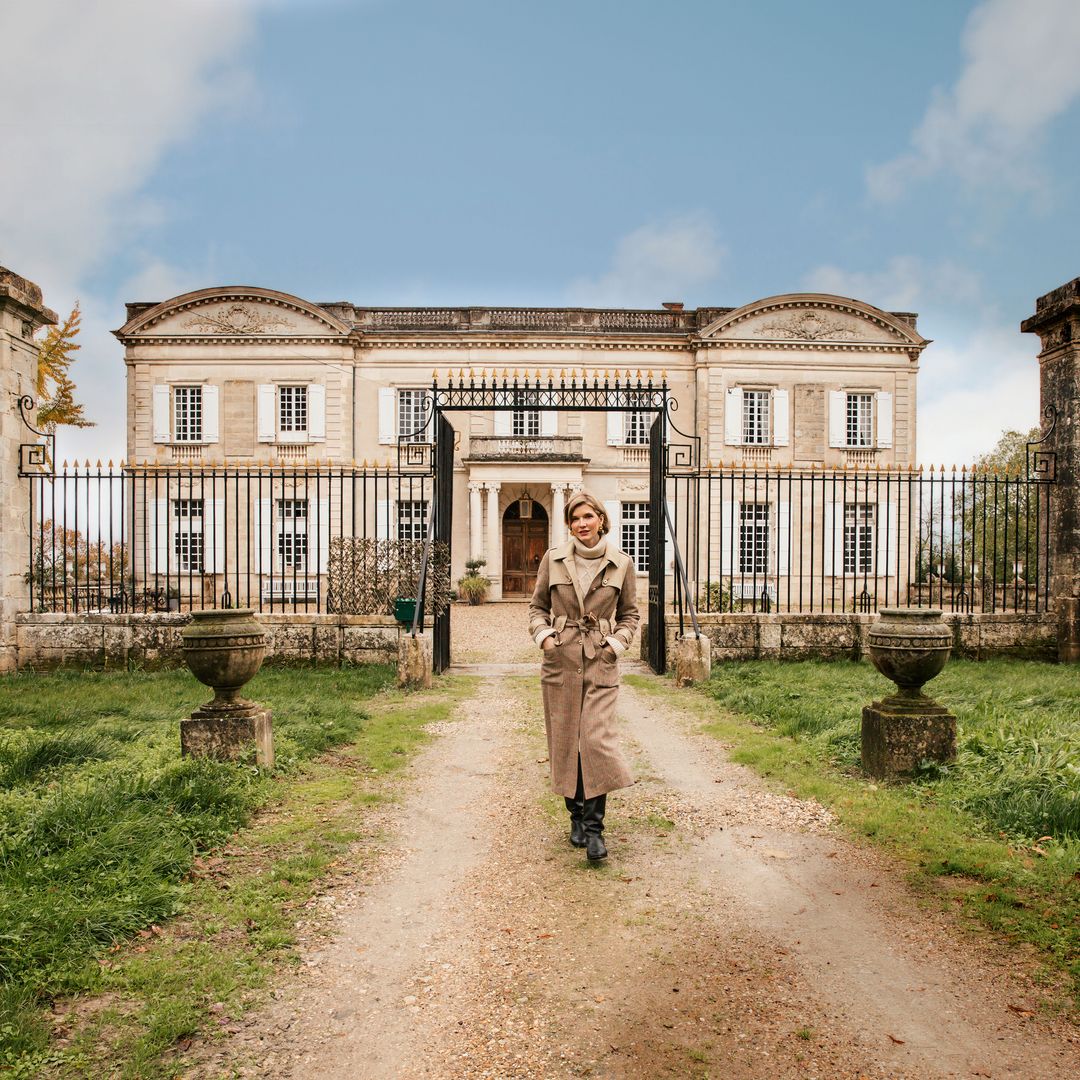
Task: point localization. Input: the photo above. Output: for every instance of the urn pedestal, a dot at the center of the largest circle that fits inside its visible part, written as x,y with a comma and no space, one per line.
910,646
224,648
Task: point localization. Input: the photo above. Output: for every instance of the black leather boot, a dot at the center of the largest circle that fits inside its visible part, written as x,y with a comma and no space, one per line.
577,825
593,819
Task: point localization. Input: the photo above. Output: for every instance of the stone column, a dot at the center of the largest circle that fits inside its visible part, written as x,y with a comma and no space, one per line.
1057,322
476,520
494,541
558,503
22,314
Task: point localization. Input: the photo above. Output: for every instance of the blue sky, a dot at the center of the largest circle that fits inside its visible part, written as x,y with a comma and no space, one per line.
620,152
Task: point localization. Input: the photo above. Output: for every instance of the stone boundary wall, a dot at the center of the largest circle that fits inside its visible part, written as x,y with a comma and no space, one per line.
120,641
800,637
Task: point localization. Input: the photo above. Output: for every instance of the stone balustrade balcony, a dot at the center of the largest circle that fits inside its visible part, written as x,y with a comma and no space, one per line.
525,448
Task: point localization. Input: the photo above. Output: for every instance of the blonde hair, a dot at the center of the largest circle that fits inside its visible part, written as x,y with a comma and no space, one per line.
586,498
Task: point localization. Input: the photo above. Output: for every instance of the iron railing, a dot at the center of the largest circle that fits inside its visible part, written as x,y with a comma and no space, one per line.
859,540
138,539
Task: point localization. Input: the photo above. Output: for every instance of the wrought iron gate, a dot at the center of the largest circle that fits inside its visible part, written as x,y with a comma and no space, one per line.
657,637
441,529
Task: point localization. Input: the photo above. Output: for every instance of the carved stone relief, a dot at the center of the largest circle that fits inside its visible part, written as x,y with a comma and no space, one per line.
238,319
808,326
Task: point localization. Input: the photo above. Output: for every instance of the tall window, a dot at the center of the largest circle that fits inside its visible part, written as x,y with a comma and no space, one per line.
412,415
525,422
635,534
412,519
860,420
292,409
187,414
188,535
858,538
292,533
636,425
754,538
755,426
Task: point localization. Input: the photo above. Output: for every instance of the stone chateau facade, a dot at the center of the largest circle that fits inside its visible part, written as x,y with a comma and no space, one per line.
240,376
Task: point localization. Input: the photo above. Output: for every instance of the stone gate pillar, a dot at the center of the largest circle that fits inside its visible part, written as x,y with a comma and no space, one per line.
22,314
1057,322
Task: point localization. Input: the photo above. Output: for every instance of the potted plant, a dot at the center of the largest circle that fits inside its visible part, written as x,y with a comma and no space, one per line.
473,587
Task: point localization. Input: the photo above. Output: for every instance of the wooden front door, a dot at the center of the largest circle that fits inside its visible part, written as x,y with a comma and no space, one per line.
524,544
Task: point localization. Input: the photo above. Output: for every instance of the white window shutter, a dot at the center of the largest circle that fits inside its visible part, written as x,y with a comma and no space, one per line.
162,427
387,415
158,537
889,524
322,527
837,418
382,519
214,530
616,428
781,410
783,537
264,524
614,512
829,538
549,423
884,406
728,531
316,412
210,426
267,411
733,416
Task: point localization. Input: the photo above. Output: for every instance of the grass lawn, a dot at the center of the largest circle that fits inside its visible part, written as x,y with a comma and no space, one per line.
997,833
123,877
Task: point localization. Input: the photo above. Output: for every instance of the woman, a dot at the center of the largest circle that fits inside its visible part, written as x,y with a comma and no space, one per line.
583,615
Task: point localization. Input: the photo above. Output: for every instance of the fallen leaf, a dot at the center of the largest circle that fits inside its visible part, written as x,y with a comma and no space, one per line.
899,1042
540,937
599,998
774,854
1020,1010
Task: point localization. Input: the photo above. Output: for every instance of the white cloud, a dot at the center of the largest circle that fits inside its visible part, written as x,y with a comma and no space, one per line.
96,94
1020,73
906,283
654,263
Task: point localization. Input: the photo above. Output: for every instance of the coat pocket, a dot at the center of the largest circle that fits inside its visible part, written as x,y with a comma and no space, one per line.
605,668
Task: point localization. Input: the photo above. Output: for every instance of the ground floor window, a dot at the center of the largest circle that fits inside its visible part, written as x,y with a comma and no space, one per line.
635,534
188,535
292,533
754,538
412,519
859,538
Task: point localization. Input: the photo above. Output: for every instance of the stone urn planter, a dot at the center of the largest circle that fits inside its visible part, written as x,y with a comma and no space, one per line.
224,648
910,646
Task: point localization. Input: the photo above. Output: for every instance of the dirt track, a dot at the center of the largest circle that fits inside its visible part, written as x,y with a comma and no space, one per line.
731,934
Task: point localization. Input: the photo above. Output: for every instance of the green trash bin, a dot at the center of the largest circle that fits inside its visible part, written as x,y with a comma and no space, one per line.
405,610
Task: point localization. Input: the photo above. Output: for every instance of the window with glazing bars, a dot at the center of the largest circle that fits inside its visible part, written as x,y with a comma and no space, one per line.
412,519
187,414
525,422
859,538
412,415
635,534
754,538
292,533
860,420
755,408
636,425
188,535
292,408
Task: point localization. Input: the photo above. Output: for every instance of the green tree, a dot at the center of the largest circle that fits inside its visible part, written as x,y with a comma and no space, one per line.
55,388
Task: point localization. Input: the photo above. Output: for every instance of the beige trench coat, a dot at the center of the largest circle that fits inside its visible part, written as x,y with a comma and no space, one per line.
579,678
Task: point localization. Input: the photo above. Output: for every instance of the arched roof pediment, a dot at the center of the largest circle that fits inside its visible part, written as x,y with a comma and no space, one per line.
245,312
813,319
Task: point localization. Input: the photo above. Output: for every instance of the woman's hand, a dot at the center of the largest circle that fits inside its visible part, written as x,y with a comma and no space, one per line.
548,643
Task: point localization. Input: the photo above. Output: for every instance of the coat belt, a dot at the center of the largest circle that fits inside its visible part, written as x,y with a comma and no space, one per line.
593,631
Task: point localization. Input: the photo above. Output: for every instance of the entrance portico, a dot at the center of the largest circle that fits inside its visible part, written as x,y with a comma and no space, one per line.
494,487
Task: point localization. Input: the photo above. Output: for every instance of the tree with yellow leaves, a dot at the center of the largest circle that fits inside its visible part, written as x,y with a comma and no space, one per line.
55,388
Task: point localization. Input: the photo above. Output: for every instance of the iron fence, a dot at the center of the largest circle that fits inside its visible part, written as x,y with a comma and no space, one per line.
822,541
140,539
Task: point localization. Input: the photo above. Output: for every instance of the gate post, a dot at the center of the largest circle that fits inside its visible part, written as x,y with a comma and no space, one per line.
1057,322
22,314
